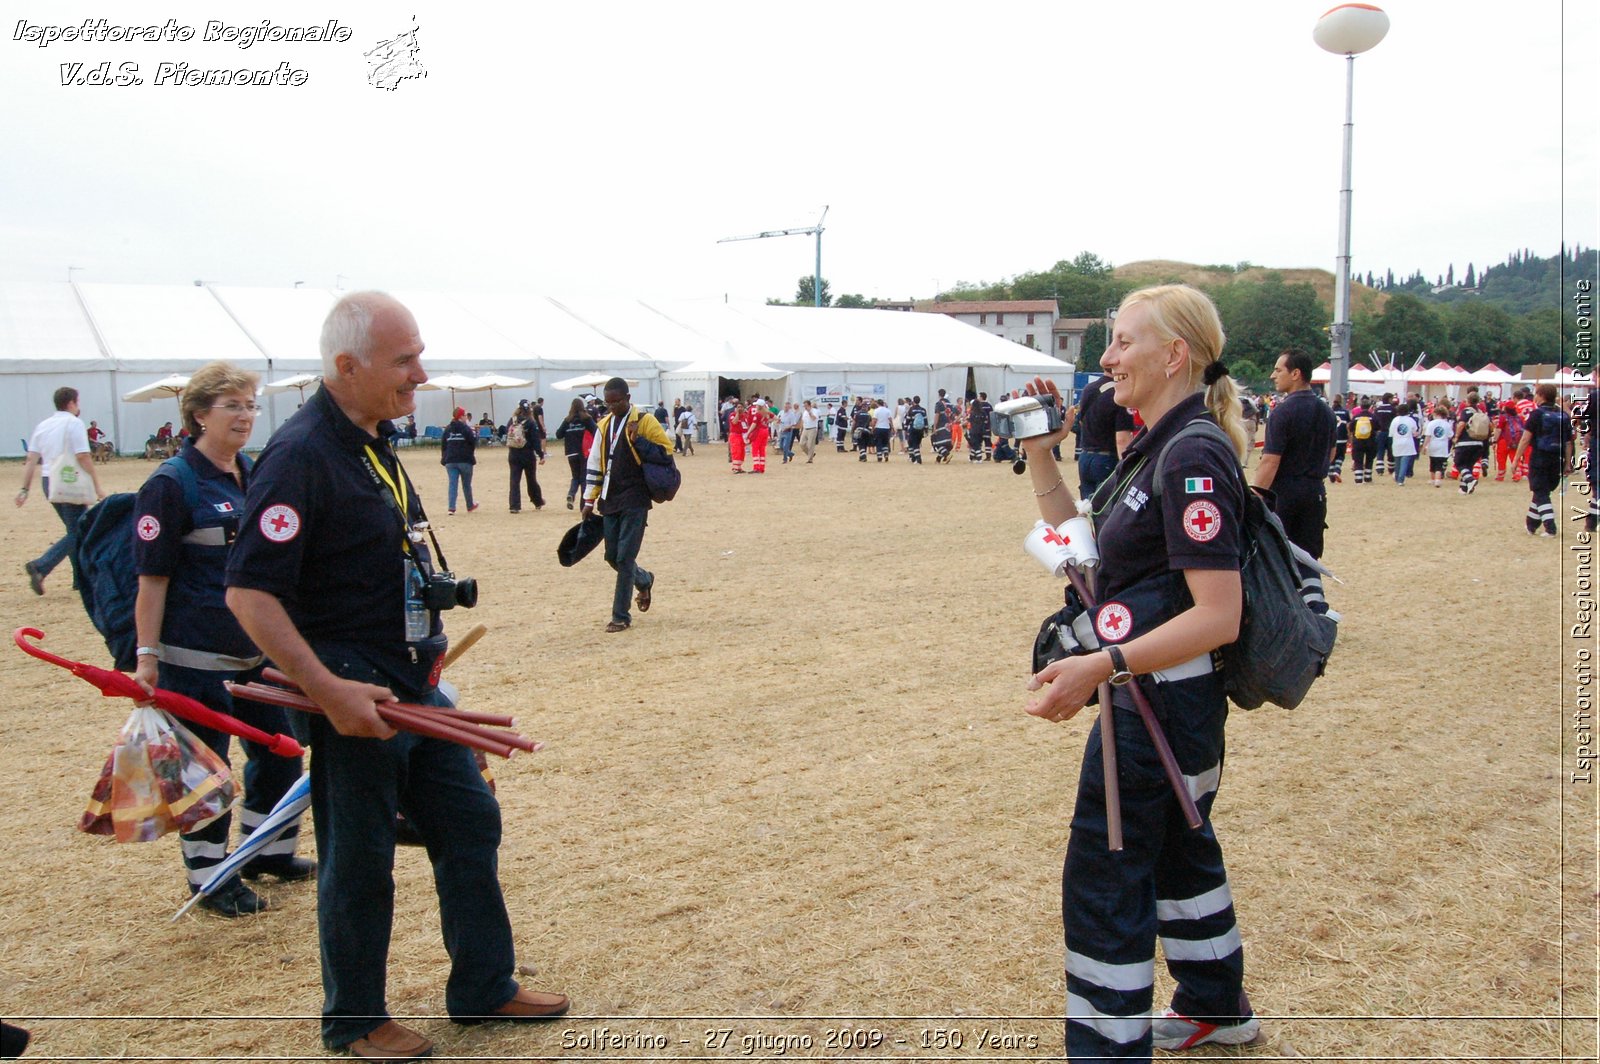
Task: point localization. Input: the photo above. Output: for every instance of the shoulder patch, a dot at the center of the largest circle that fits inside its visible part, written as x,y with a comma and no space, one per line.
1113,622
1202,521
148,527
280,523
1197,485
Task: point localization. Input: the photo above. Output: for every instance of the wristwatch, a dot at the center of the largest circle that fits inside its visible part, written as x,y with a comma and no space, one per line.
1119,666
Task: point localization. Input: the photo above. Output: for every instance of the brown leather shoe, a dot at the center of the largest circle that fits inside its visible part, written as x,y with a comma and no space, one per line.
644,598
526,1006
391,1042
617,626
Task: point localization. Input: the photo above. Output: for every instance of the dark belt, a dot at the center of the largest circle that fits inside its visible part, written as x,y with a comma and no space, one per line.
1088,450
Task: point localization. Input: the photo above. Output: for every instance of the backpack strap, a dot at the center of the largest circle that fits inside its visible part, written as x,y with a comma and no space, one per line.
1200,426
177,468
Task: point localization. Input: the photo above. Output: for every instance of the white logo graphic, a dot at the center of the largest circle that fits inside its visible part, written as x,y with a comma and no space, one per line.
1113,622
280,523
149,528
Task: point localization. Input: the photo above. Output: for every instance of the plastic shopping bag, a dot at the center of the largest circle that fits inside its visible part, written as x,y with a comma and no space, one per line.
159,778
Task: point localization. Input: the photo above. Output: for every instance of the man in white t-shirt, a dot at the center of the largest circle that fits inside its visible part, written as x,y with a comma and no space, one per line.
808,430
62,433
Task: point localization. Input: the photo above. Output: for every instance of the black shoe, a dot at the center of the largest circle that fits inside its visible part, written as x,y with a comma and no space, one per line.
232,899
35,577
288,869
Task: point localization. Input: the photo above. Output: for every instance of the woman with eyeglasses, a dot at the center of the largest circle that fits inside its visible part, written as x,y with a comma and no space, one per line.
186,516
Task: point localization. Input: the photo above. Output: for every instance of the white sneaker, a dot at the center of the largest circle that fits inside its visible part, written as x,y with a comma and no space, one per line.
1170,1030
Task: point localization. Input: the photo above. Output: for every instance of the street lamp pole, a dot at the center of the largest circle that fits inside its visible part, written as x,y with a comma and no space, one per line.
1347,30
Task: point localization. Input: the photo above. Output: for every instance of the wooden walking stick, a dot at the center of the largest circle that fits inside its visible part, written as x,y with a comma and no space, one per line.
1169,763
477,632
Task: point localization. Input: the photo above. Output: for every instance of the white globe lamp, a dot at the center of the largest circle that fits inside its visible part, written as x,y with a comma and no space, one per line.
1346,30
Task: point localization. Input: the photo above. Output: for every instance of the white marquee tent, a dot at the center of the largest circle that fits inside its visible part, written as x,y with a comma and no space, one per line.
108,340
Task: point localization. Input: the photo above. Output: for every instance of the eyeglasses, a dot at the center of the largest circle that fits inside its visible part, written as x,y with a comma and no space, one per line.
237,408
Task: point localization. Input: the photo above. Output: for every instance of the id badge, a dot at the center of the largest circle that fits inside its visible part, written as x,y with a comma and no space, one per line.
417,626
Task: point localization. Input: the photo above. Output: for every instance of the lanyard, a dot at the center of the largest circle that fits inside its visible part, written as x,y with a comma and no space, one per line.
398,496
616,433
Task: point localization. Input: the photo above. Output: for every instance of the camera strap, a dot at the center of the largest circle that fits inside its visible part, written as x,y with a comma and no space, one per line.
397,492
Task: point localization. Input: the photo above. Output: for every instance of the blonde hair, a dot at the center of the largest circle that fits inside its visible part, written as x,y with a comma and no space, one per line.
211,382
1179,312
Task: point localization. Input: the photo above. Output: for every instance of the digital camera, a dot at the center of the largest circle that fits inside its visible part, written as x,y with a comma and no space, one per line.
1026,417
442,591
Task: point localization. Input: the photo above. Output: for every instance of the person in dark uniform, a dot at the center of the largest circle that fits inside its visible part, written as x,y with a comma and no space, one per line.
1106,428
1546,444
944,418
916,428
1297,453
1382,416
861,428
327,578
1341,439
524,454
189,642
571,432
1155,551
978,427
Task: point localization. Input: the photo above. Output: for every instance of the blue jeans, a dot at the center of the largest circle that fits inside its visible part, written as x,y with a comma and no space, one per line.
69,512
357,786
624,536
1402,467
786,443
1092,470
461,471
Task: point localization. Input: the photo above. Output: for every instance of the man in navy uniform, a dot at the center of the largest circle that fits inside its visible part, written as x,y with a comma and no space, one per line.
1107,428
1294,462
327,579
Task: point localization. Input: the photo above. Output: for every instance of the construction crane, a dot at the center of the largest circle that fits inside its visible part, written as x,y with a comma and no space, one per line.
816,279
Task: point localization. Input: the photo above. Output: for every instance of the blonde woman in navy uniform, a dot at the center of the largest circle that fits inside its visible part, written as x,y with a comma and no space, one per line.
1169,595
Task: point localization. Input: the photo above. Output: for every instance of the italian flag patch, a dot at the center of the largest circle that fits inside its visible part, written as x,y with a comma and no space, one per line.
1197,485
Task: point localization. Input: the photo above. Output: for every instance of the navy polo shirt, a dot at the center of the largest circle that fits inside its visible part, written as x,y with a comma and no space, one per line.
1300,432
196,616
1195,524
323,536
1101,417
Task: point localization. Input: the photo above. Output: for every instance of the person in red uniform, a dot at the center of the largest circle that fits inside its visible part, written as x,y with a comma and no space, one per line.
758,430
736,426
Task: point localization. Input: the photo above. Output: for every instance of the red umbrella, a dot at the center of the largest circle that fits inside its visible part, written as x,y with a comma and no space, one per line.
115,684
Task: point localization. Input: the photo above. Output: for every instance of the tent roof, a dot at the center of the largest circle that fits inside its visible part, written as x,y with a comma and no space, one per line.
43,326
545,328
147,326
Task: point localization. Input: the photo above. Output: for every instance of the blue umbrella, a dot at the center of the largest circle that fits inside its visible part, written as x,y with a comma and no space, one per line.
275,823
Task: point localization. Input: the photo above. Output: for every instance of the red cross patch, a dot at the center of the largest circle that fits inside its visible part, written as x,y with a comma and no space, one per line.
149,528
1113,623
1202,521
279,523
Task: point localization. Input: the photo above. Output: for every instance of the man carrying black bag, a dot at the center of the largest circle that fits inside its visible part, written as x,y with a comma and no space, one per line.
617,490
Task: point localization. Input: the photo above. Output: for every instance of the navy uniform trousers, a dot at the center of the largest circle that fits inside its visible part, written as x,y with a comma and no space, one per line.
1167,882
267,776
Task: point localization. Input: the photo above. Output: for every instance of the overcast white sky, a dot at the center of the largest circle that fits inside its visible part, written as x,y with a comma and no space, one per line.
606,147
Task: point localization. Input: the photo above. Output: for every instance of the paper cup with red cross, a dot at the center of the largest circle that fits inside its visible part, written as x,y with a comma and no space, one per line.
1048,548
1081,548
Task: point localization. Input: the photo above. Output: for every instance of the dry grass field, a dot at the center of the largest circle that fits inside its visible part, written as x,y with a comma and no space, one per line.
798,810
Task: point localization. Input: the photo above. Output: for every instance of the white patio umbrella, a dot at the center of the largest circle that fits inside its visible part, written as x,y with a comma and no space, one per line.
165,388
275,823
452,383
496,380
586,381
299,382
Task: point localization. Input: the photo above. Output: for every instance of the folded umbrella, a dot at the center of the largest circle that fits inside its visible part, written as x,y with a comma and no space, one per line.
275,823
115,684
